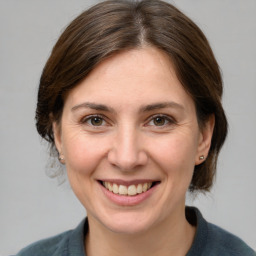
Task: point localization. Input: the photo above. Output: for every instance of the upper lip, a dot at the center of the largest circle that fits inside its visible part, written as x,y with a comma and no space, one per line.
128,182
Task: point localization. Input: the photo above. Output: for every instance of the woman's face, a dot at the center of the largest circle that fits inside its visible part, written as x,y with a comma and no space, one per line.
130,127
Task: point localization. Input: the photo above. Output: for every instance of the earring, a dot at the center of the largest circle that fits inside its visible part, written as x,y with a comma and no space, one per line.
201,157
61,157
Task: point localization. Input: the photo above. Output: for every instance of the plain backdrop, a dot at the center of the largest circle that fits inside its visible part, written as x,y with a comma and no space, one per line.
33,206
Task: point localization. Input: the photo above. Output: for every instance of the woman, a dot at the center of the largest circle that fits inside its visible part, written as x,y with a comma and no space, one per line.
130,100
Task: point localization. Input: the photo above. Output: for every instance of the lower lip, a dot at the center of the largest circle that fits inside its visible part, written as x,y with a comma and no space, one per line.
128,200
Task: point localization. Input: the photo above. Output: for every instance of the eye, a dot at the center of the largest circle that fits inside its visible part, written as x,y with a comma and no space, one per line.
160,120
94,121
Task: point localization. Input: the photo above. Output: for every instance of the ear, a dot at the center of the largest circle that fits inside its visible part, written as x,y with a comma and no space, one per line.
205,139
57,136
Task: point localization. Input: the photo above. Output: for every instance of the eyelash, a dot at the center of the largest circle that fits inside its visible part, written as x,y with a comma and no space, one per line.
90,118
167,120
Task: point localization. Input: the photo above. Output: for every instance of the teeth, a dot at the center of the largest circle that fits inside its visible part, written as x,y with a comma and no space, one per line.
115,188
145,187
131,190
139,189
122,190
109,186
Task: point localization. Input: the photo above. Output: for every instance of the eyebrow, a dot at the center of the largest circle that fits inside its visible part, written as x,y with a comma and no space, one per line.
161,105
94,106
146,108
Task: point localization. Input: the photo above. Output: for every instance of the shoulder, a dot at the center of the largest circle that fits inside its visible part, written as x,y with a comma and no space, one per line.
45,247
211,240
68,243
224,242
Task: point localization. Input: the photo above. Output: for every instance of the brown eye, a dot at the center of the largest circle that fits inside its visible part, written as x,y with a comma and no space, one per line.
159,121
96,121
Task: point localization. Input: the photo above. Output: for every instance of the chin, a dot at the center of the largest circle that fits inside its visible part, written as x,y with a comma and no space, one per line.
128,222
127,227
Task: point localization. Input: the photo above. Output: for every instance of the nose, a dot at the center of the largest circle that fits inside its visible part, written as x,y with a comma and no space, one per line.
127,152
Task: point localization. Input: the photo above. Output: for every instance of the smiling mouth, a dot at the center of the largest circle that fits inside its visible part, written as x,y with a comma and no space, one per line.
131,190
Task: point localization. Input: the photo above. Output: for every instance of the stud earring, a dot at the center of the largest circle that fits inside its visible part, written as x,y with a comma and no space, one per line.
61,157
201,157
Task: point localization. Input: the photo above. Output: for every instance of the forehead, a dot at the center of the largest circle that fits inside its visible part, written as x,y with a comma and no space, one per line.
140,64
130,78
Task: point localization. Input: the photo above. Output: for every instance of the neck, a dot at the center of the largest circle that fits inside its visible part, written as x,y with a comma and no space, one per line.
173,236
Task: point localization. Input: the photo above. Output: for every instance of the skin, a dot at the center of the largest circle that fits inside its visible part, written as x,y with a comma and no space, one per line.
146,128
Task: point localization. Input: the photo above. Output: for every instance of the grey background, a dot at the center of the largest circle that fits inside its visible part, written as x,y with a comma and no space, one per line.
33,206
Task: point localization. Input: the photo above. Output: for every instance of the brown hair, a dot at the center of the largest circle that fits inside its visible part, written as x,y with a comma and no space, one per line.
116,25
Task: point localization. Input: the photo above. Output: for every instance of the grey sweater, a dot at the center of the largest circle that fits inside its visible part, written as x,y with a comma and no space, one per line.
210,240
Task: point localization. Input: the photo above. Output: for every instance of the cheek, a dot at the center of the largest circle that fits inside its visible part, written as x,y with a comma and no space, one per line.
176,156
83,153
176,149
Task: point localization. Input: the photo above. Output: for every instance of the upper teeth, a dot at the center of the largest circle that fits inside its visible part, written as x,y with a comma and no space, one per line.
127,190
